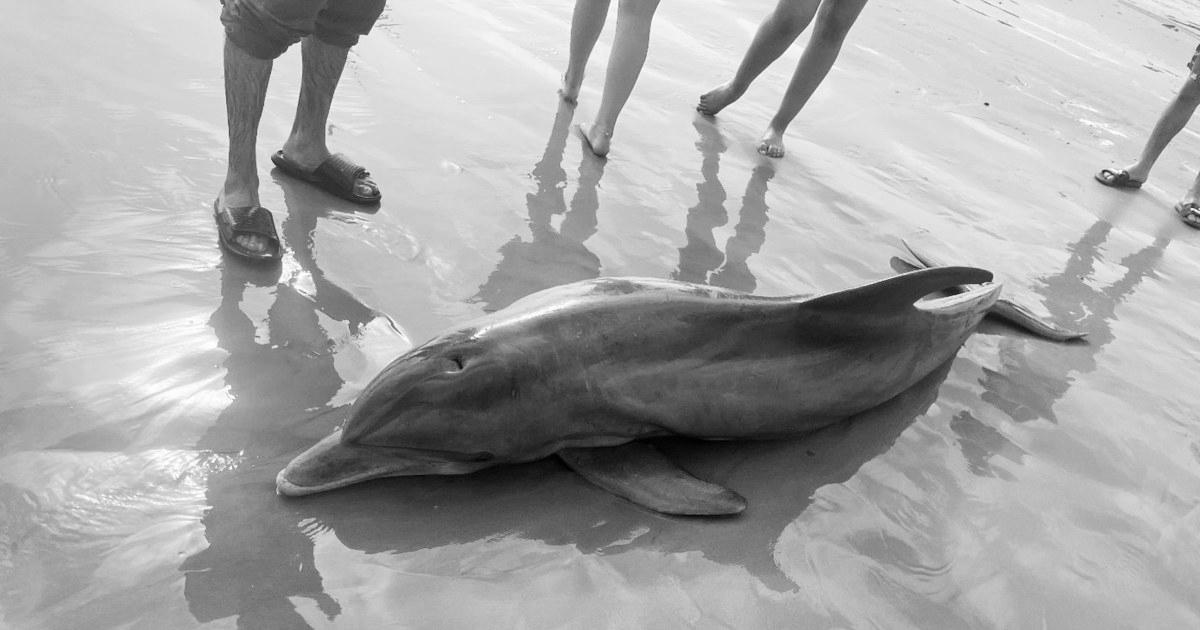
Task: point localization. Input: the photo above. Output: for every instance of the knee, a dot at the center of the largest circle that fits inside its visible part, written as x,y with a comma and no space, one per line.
1189,95
254,32
638,9
835,21
793,16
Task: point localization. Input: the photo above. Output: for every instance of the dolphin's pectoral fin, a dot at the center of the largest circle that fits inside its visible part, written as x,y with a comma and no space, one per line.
640,473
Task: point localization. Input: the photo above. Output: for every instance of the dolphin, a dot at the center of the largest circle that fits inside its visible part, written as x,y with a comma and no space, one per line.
587,371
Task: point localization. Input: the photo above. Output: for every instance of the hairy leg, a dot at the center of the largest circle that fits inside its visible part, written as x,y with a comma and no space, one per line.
586,23
322,65
1169,124
246,79
772,39
630,44
834,20
322,68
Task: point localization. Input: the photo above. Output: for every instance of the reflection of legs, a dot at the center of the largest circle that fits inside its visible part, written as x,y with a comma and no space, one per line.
748,237
625,63
833,22
774,35
246,79
586,24
1170,123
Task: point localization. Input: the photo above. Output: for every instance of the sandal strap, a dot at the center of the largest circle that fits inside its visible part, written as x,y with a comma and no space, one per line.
253,220
340,170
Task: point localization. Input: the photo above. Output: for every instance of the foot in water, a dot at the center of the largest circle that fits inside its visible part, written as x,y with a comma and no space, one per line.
717,99
255,243
771,143
597,138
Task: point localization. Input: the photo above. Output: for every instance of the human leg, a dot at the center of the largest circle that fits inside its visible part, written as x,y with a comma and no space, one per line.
774,35
586,23
256,32
323,57
246,79
834,19
1169,124
625,62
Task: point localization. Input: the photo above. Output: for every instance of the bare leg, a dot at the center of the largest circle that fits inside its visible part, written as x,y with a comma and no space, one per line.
834,20
630,44
246,80
586,23
1170,123
774,35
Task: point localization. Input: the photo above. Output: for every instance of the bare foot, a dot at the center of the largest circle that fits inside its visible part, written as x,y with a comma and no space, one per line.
717,99
569,92
771,143
1188,210
596,137
1138,172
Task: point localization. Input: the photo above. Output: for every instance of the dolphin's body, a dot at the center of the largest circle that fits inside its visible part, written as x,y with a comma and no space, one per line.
585,370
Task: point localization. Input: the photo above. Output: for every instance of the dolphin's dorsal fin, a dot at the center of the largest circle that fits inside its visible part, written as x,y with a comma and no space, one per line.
899,291
640,473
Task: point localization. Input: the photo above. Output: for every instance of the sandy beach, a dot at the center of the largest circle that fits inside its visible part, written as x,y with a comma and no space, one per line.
151,387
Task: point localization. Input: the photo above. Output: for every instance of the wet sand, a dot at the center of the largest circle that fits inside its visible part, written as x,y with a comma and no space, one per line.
150,388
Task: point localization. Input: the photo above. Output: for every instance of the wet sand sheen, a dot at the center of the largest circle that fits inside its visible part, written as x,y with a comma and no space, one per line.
151,389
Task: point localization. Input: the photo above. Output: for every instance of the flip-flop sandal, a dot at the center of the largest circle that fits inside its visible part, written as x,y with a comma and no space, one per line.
1189,213
337,175
1117,179
247,220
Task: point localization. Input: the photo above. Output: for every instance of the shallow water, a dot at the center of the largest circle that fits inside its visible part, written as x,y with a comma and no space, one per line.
150,388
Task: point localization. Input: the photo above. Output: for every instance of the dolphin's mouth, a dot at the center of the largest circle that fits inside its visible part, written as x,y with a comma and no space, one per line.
331,464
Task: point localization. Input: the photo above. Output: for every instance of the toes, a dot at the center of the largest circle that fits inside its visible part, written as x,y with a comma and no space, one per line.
366,188
251,242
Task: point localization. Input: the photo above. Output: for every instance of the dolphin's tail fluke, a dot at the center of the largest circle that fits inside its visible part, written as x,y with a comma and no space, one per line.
1004,309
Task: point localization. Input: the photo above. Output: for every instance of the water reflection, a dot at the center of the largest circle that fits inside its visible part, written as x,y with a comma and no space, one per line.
281,377
700,260
552,257
1035,375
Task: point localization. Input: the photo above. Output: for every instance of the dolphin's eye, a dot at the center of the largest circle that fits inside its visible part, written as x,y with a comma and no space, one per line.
458,362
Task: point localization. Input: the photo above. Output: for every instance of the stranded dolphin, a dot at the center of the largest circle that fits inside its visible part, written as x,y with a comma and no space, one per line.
585,370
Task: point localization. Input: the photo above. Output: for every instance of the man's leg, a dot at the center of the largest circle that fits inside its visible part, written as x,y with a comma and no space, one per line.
586,23
1169,124
336,28
322,69
774,35
834,20
246,79
625,62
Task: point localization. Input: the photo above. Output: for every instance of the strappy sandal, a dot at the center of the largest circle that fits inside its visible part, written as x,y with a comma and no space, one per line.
1117,179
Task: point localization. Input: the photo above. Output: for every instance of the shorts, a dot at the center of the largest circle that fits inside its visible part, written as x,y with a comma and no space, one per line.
266,28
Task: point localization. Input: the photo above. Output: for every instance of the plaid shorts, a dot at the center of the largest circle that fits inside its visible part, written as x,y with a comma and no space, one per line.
266,28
